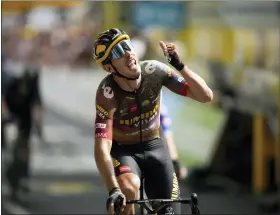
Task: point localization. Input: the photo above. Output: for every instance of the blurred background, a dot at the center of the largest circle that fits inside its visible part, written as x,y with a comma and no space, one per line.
230,147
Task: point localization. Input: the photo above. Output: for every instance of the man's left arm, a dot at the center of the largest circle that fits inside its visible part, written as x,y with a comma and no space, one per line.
196,88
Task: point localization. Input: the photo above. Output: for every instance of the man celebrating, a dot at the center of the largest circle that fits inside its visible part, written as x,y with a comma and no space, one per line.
127,125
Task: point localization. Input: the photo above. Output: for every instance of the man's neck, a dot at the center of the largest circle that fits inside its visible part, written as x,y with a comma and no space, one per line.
128,85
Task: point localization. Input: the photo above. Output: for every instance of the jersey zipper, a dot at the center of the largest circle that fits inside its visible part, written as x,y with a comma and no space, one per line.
143,170
140,113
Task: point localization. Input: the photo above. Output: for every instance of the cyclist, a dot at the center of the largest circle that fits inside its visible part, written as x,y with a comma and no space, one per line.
166,125
127,125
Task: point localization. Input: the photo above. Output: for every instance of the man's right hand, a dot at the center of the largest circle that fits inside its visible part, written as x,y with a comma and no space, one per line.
170,52
116,199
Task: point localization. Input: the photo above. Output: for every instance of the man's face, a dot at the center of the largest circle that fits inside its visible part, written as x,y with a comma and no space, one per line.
124,59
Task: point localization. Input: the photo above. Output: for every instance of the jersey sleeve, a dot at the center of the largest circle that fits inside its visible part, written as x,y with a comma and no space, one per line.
172,80
105,107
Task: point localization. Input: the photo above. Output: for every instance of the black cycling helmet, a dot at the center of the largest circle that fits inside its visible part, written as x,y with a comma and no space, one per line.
104,44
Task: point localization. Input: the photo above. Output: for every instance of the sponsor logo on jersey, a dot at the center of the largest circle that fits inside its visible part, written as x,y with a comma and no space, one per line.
100,125
130,98
169,74
123,112
152,94
146,117
107,92
133,108
151,67
101,115
150,128
101,135
175,188
101,109
115,162
125,168
153,101
180,79
145,103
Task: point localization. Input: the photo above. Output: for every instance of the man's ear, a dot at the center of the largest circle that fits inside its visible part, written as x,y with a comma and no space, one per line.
108,68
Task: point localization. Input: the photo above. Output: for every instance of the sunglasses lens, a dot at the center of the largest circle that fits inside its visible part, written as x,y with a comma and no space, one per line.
119,50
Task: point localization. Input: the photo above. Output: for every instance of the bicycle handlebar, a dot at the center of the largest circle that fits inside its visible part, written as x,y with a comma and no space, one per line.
163,202
192,200
167,201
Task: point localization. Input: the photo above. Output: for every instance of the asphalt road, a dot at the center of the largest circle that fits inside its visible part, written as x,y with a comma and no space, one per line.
65,181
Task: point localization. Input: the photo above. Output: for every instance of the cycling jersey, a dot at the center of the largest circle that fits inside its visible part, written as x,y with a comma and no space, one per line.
119,112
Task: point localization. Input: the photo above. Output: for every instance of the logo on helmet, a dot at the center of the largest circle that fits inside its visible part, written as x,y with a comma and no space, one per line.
99,49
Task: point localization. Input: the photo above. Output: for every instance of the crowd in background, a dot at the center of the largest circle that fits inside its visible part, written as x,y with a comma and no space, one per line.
66,45
68,41
62,45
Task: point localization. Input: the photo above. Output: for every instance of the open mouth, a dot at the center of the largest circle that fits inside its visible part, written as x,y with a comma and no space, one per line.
131,63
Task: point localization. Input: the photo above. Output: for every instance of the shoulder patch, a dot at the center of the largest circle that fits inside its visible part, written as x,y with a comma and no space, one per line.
150,66
107,92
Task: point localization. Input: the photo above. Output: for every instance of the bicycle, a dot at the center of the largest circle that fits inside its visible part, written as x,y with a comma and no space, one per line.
145,203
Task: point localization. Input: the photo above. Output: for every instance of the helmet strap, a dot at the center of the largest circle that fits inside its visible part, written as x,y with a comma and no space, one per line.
116,73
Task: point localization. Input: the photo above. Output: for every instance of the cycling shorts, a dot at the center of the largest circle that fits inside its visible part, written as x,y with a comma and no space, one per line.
152,159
